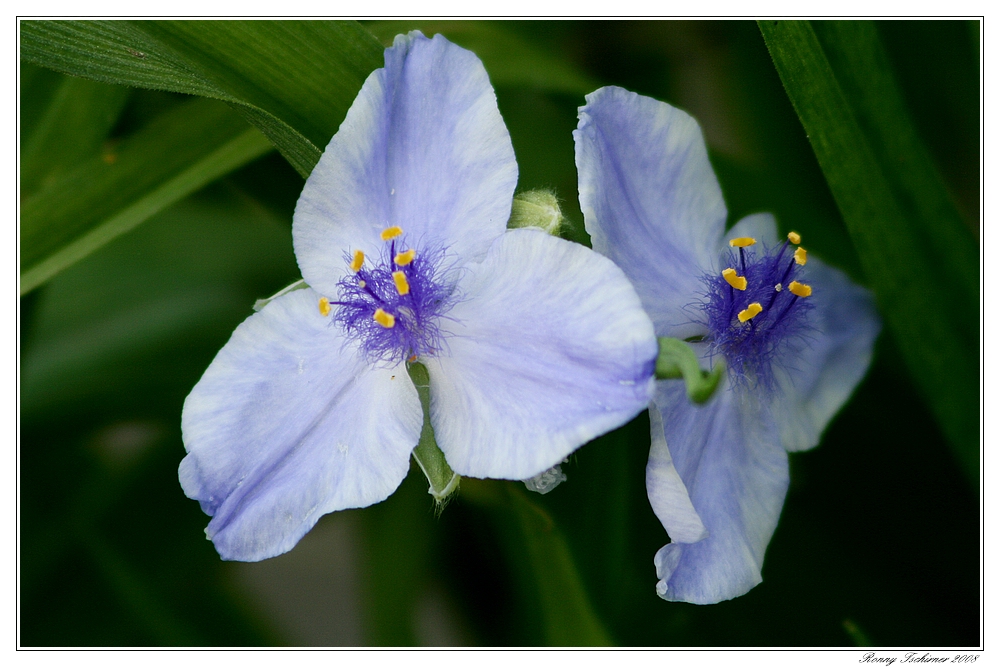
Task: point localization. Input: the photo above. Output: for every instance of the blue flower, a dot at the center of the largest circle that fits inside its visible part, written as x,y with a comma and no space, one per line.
534,345
796,337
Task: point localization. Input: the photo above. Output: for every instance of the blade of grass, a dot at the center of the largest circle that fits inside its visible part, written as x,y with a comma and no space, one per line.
912,267
862,68
293,80
106,196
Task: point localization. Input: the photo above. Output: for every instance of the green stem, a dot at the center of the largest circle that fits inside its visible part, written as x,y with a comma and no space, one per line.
428,456
677,360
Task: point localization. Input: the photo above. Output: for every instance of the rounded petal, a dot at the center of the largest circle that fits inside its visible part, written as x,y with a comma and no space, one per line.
668,496
650,199
289,423
549,349
824,367
729,457
423,147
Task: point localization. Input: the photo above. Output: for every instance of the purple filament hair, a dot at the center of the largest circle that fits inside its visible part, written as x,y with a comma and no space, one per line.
415,332
750,347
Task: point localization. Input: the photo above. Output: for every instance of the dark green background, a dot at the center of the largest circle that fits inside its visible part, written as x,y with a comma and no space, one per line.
878,543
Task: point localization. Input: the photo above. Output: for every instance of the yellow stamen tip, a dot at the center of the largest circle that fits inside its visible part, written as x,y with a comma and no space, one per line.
742,242
391,232
800,257
794,237
751,311
402,285
404,258
388,320
735,281
358,261
798,289
324,306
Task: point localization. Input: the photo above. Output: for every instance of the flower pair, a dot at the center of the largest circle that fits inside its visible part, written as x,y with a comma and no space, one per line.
533,345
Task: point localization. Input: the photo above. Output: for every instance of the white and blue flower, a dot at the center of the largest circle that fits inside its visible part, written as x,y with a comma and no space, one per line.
796,337
534,345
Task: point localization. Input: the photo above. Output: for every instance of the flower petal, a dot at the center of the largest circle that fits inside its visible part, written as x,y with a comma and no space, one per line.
667,494
289,423
423,147
650,199
823,369
728,454
549,348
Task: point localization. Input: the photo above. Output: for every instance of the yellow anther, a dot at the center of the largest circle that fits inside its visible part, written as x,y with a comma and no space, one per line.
402,286
742,242
738,282
798,289
388,320
358,261
793,237
404,258
391,232
324,306
751,311
800,257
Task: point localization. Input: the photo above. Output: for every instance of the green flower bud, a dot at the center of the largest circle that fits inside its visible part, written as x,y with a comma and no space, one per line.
536,208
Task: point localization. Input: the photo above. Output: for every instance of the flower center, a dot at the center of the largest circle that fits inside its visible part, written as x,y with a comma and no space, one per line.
391,304
756,305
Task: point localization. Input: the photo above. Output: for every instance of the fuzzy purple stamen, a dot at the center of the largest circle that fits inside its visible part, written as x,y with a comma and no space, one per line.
750,348
416,332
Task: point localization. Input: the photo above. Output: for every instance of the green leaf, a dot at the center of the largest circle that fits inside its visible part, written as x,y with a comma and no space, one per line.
864,73
509,59
71,127
294,80
920,260
542,559
108,195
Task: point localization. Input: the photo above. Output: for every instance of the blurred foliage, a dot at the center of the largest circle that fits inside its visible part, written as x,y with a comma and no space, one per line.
111,551
111,191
